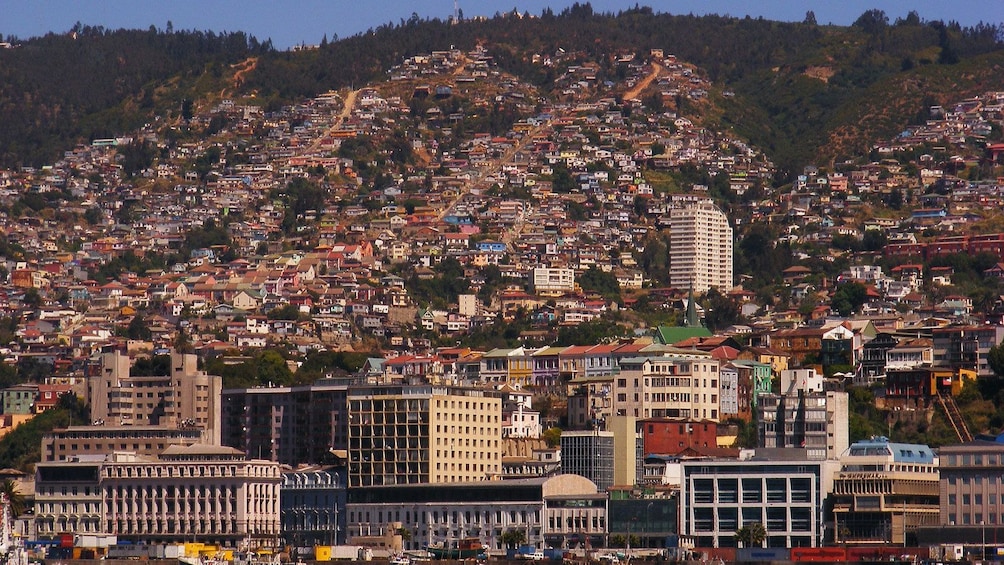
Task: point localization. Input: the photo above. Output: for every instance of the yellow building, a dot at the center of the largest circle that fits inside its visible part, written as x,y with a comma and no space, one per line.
423,434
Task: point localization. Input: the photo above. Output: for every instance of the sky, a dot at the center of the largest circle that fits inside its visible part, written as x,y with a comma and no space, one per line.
307,21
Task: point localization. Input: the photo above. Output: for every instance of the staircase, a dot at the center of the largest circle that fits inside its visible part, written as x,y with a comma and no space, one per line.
955,417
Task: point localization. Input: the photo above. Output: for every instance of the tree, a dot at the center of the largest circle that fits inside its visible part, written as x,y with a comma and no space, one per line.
8,489
552,436
751,535
512,538
138,329
849,298
995,358
600,282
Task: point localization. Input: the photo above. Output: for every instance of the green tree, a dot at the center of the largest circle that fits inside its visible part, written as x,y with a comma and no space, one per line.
995,359
849,298
15,499
512,538
751,534
138,328
552,437
603,283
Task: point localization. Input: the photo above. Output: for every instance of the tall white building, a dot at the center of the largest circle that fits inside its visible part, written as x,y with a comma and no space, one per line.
700,255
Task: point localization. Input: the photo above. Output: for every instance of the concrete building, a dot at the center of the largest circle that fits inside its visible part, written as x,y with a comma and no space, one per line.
547,280
804,416
701,242
718,497
558,511
292,425
607,457
414,434
312,507
207,493
682,385
884,492
150,441
185,397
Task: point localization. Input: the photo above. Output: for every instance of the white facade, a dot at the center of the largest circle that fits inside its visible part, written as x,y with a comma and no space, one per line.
700,254
548,280
199,492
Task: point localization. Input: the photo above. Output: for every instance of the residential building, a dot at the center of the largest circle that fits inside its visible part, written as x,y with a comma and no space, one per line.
884,492
668,436
547,280
966,347
701,242
412,434
678,385
804,416
609,457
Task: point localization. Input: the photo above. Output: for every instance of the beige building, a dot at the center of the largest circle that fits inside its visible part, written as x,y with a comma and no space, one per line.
681,385
186,397
884,492
423,434
198,492
64,444
700,251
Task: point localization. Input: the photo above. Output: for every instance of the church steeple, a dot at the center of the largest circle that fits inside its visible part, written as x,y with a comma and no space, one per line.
693,321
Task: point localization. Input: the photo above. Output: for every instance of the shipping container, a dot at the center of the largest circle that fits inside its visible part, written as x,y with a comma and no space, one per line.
806,554
762,554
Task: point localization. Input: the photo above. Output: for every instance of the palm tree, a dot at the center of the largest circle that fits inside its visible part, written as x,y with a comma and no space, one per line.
15,500
752,534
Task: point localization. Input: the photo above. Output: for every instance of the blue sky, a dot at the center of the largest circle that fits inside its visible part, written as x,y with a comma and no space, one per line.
306,21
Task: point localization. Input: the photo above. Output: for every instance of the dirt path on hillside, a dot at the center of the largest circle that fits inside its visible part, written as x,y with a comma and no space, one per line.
641,86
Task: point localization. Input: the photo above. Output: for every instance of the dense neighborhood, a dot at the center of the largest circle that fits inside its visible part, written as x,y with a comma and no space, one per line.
450,308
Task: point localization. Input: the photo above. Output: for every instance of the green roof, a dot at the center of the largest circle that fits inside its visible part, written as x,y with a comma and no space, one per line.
673,334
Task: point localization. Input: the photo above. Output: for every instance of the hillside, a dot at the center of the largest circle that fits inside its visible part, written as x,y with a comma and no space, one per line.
802,91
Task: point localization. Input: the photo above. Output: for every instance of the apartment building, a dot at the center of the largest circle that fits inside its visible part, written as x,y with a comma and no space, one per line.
554,281
414,434
184,397
701,242
804,416
203,492
674,385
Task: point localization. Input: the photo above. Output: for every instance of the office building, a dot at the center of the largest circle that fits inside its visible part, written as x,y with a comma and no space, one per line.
197,492
559,511
312,507
415,434
66,443
606,457
184,397
718,497
292,425
700,250
884,492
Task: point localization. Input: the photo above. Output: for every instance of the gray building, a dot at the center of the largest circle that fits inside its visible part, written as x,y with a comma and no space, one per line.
312,507
590,454
804,416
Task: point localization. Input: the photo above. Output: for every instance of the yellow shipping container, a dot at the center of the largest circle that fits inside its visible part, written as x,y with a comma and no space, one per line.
322,552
